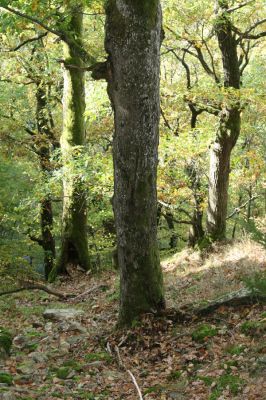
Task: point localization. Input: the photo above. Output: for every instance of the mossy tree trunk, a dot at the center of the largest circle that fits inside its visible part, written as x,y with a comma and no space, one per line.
133,39
228,130
44,141
74,246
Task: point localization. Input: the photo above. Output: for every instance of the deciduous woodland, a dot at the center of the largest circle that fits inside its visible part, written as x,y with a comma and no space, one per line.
132,199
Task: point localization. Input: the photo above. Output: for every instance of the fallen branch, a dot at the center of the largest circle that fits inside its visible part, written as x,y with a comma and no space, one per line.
38,286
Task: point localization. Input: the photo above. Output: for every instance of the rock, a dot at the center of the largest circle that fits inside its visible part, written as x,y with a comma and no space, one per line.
72,326
38,357
27,368
64,346
7,396
62,314
20,341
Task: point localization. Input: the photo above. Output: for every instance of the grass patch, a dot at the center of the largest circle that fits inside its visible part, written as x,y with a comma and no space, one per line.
102,356
253,328
208,380
63,372
174,375
203,332
235,350
6,378
233,382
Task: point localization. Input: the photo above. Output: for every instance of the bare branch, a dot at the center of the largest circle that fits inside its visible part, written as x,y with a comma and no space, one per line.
247,34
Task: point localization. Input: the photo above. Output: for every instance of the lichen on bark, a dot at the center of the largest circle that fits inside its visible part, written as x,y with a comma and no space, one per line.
133,47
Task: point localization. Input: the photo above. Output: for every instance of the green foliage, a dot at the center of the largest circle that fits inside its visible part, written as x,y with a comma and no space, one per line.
5,340
257,283
203,332
6,378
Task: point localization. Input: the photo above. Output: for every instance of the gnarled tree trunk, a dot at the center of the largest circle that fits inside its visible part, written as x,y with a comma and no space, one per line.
133,39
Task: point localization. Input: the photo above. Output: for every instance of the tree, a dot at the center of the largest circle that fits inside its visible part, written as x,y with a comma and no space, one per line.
226,70
133,39
74,247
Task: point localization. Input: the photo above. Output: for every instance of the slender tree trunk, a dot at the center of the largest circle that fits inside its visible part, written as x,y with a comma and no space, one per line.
74,247
196,231
44,143
133,39
228,131
170,222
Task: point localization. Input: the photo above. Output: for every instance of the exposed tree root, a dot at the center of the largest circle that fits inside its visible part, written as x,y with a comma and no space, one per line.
243,296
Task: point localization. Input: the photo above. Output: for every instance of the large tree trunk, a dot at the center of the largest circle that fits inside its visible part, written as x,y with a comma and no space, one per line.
74,248
228,131
133,38
44,141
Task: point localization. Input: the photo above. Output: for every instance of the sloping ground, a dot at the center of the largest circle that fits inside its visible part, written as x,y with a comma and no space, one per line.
194,278
222,356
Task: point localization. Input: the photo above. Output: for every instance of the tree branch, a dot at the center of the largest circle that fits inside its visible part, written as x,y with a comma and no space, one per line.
239,208
241,5
247,34
86,57
42,35
38,286
34,20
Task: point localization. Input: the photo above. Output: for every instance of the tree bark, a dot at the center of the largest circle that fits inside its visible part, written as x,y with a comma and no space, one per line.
228,131
74,247
133,39
44,140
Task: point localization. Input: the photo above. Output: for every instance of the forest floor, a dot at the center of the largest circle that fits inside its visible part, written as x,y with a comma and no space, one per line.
220,356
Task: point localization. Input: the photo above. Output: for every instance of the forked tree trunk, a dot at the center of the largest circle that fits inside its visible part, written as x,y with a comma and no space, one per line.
74,247
228,131
133,39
